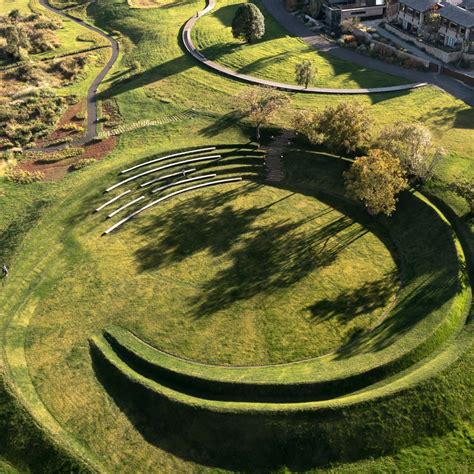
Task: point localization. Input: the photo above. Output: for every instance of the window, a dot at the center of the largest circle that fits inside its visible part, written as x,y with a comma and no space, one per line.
402,7
452,25
462,30
450,41
410,11
358,13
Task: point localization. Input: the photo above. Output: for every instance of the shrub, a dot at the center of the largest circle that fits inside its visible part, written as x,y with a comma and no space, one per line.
24,177
83,163
248,23
72,127
60,141
60,155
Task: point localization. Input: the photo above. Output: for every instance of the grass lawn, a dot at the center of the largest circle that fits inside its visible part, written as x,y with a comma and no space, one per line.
173,263
276,55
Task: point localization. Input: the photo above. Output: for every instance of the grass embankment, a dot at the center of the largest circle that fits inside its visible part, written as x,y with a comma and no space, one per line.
276,54
197,395
57,354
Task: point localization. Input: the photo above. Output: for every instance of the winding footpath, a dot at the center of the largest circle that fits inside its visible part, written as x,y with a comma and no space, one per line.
91,131
189,45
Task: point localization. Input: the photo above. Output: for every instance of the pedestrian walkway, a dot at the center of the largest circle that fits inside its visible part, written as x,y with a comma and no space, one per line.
188,43
296,28
274,158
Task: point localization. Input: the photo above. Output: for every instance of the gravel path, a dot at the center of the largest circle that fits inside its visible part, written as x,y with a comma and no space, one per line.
274,158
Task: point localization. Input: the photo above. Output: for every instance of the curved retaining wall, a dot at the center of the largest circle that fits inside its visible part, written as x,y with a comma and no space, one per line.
189,45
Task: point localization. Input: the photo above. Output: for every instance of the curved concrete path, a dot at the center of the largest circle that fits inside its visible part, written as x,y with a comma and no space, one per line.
91,130
189,45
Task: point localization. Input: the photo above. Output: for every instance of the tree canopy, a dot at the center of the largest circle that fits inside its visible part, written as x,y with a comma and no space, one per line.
248,23
260,104
412,144
376,179
305,73
343,128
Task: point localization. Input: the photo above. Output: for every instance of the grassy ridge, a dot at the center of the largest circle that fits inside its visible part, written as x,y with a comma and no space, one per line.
375,422
59,360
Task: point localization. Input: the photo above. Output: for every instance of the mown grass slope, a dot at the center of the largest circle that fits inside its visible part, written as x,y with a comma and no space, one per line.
276,54
166,82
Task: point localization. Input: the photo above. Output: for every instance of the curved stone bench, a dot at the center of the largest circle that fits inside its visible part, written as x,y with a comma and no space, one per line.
168,196
183,181
168,176
160,168
111,201
125,206
167,157
189,45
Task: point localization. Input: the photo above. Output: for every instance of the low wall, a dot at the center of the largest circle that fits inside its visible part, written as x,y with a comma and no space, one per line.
444,56
469,80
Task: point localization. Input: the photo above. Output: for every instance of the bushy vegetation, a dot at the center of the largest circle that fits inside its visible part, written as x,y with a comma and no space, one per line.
248,23
29,115
23,176
376,179
344,128
59,155
84,163
23,35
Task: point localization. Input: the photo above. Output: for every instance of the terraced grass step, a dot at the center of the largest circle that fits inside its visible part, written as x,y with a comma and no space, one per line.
324,430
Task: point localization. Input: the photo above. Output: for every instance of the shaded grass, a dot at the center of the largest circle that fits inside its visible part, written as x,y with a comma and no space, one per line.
276,54
60,362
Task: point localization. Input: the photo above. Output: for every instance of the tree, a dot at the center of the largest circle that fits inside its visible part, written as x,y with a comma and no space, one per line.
14,15
248,23
18,43
343,128
412,144
432,22
376,179
464,187
305,73
260,104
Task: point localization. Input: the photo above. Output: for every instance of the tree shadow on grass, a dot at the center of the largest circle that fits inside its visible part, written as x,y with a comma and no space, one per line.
275,256
348,306
263,257
150,76
222,123
458,116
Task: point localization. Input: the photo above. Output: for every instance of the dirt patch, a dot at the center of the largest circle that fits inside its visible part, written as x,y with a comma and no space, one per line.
111,110
57,171
70,116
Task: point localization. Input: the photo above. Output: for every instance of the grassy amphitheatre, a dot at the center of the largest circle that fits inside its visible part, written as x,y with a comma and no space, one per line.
236,327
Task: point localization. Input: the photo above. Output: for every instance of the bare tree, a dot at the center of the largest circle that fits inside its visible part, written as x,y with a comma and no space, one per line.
260,104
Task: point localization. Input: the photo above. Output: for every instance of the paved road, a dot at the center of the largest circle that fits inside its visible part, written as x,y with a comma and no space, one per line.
296,28
91,130
316,41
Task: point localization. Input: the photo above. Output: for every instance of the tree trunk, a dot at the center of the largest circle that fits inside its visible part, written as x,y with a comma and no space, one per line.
258,132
